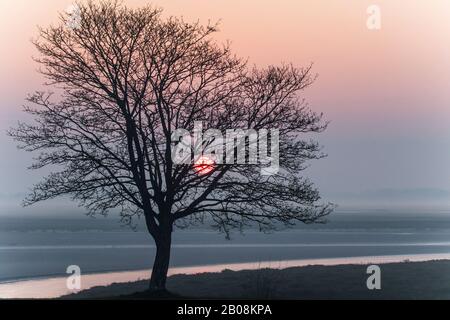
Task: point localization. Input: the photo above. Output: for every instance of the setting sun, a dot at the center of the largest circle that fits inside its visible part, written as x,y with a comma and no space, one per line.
204,165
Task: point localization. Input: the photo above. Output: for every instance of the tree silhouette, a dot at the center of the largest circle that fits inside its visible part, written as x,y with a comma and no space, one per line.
125,80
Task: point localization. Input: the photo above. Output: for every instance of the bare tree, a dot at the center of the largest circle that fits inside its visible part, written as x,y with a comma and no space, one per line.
126,80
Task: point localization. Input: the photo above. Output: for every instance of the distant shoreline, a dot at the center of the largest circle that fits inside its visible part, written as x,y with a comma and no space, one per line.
429,280
55,287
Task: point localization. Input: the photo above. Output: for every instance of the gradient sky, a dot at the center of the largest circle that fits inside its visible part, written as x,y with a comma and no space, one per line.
385,92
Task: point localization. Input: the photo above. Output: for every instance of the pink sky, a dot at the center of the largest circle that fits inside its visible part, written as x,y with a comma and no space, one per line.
400,70
388,87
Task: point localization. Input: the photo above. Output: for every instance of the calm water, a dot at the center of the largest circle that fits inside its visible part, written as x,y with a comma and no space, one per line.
45,247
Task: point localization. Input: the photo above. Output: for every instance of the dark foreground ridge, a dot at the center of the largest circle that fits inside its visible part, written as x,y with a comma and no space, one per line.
406,280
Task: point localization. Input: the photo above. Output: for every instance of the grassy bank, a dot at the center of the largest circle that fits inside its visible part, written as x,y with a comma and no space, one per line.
406,280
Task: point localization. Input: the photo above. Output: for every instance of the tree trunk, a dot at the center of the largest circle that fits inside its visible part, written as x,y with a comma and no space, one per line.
161,263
